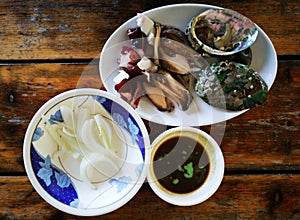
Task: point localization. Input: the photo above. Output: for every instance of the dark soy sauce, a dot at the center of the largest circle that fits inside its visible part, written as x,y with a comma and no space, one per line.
181,164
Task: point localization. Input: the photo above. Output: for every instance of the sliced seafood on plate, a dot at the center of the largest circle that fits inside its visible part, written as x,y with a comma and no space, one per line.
165,59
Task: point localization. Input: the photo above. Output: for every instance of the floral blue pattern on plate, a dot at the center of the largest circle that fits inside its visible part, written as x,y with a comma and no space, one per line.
53,180
121,182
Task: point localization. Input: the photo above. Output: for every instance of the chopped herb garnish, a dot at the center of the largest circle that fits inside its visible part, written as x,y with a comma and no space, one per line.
180,169
175,181
189,170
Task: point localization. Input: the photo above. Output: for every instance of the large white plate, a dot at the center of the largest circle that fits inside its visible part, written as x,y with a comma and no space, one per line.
199,113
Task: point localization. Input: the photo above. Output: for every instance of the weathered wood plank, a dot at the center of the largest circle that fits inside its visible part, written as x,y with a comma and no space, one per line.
76,29
262,138
239,197
72,29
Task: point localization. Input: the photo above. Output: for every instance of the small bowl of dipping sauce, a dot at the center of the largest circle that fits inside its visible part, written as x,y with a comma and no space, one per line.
186,166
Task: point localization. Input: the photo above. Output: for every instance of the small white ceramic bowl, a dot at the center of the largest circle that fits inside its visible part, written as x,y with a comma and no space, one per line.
73,175
215,171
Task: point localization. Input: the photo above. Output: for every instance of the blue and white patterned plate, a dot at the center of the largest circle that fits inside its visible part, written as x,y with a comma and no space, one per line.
55,174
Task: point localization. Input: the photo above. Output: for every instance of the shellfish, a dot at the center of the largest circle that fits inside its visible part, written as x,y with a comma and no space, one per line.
232,86
221,32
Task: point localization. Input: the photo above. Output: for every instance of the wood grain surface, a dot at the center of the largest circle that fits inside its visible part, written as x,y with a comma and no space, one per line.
48,47
239,197
28,27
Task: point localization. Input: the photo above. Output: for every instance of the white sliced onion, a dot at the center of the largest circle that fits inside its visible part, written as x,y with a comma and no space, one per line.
87,137
83,174
70,143
95,167
82,116
105,131
67,115
68,132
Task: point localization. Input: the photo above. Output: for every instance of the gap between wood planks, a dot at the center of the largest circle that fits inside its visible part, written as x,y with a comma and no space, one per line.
96,60
226,173
45,61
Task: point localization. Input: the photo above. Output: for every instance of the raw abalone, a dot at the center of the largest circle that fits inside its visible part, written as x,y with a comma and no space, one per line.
231,86
221,32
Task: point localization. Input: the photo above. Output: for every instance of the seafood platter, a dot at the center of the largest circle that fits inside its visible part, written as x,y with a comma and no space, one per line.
189,64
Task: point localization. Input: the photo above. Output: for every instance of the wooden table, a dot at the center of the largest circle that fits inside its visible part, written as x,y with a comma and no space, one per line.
45,46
